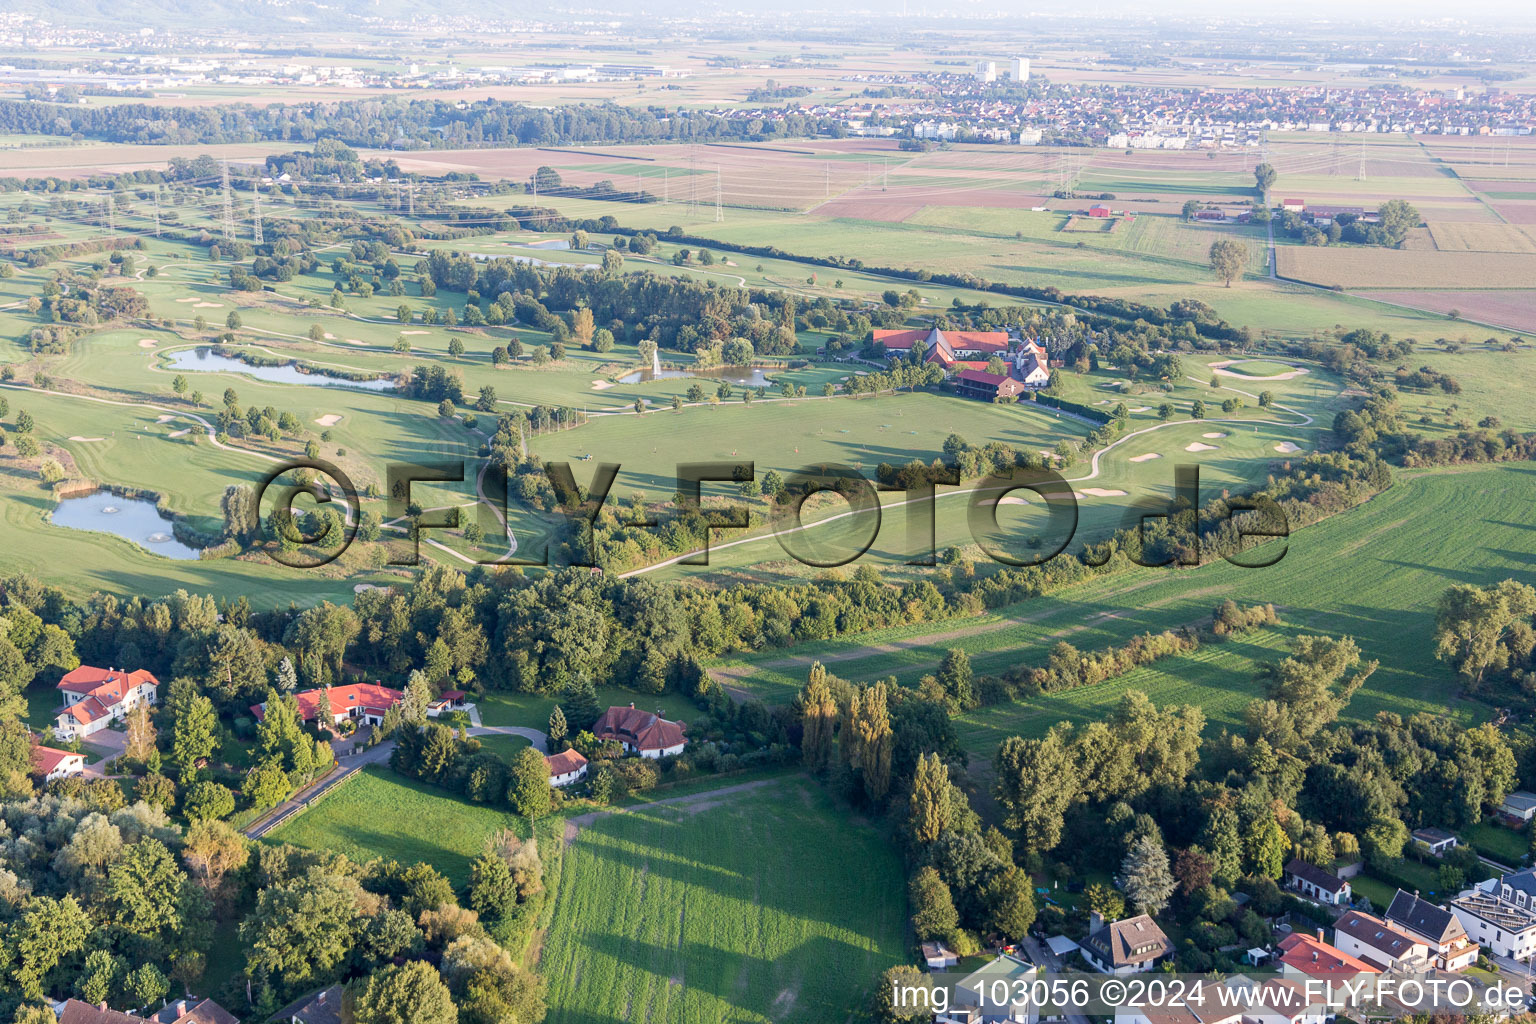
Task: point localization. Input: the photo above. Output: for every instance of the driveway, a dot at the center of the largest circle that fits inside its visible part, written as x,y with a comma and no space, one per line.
533,736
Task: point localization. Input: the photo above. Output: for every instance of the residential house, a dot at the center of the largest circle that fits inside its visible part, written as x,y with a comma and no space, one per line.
50,763
447,701
566,767
986,386
1126,946
1316,883
975,999
364,702
1320,966
1449,947
323,1007
1272,1001
96,697
182,1011
1435,840
1520,805
641,732
1293,205
1378,943
1503,926
939,957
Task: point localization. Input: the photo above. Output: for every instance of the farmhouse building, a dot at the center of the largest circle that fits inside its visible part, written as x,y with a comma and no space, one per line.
1315,883
50,763
96,697
945,347
1293,205
1435,840
365,702
1323,216
1449,947
1098,211
1125,947
641,732
987,386
1377,943
566,767
1032,364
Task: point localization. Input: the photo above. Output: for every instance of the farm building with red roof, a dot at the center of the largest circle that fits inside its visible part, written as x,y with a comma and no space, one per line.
96,697
945,347
987,386
641,732
364,702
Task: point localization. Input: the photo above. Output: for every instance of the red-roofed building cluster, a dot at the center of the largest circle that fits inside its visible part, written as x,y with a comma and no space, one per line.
361,702
96,697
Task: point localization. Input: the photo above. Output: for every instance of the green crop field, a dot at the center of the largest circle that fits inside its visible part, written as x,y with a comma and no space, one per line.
656,919
380,814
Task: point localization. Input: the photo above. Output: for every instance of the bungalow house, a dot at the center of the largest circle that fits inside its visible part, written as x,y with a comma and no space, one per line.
1377,943
566,767
96,697
365,702
49,763
1435,840
938,957
1519,805
323,1007
978,996
1449,947
1315,883
986,386
945,347
641,732
1505,927
448,701
1125,947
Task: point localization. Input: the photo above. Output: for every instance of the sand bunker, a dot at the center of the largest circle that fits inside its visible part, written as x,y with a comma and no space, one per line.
209,305
147,343
328,336
415,332
1214,434
1198,447
1104,401
330,419
1145,458
1103,492
186,300
164,419
601,385
1142,408
356,341
78,438
1286,447
183,432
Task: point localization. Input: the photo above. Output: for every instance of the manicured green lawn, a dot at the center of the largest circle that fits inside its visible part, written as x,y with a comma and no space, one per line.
531,710
504,747
769,905
381,814
1498,843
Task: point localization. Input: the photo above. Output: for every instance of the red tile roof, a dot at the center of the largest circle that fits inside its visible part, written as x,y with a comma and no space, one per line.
640,729
1313,956
46,759
564,762
371,697
88,678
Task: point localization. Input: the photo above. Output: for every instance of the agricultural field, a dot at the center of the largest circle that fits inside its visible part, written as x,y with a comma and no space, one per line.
1367,267
656,919
1512,308
1454,236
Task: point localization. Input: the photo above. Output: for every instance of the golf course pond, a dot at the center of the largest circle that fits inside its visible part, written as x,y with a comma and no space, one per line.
133,519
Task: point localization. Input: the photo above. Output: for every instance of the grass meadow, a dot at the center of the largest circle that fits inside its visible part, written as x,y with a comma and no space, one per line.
656,919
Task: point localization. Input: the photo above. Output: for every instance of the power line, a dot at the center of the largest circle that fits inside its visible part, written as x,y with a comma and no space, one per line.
256,233
228,203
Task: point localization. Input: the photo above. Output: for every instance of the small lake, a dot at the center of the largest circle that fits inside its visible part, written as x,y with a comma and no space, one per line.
133,519
746,376
202,360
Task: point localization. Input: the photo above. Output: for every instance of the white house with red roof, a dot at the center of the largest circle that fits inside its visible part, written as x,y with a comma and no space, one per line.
96,697
50,763
641,732
566,767
361,702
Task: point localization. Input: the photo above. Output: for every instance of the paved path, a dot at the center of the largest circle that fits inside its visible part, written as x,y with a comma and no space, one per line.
345,767
533,736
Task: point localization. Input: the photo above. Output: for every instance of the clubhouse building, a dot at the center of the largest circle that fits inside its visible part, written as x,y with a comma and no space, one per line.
965,356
